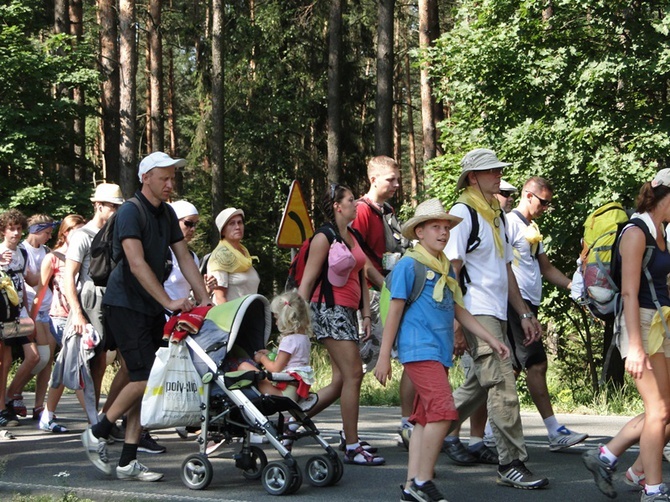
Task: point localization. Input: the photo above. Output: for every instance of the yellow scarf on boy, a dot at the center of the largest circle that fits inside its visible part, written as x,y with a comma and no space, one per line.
227,258
440,265
474,198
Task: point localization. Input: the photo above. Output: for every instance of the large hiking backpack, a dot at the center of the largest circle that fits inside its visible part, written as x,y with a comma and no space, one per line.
420,272
600,269
393,239
102,254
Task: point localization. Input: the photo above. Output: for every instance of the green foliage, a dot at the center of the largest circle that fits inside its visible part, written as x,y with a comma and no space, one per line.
578,96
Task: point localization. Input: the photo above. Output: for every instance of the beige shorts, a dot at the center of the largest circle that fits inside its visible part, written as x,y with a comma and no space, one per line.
646,315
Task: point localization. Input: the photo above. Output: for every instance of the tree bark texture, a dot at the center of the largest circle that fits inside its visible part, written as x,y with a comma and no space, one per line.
109,59
156,80
427,8
217,140
334,91
128,95
384,101
79,123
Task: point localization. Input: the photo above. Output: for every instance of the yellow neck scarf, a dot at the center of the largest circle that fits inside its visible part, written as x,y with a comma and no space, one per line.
490,212
440,265
7,284
533,236
229,259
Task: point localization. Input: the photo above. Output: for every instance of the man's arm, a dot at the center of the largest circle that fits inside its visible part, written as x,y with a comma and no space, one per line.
77,317
460,345
551,273
190,270
134,256
531,326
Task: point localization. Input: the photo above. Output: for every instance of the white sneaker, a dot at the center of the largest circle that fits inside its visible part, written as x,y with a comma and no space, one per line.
565,438
96,451
135,471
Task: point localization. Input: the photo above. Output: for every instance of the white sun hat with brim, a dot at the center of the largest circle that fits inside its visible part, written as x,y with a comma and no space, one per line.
184,209
480,159
507,187
108,192
158,159
431,209
225,215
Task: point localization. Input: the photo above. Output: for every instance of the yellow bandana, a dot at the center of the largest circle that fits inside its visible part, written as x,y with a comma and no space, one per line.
7,284
533,236
440,265
657,331
490,212
226,258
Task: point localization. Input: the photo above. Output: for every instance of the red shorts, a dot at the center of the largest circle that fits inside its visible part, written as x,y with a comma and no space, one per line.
433,401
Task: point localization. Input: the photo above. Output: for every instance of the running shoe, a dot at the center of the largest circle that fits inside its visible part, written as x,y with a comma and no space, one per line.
149,445
661,496
135,471
8,418
565,438
602,471
96,449
517,475
427,492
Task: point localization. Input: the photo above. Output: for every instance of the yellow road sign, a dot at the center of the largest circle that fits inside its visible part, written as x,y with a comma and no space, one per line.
296,225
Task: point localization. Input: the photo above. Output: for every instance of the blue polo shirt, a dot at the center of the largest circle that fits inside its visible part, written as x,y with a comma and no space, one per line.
161,230
426,331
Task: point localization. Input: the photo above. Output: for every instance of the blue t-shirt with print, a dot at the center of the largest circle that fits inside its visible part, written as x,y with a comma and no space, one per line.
426,331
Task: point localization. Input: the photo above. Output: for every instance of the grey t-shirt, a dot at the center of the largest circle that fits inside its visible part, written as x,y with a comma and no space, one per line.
160,231
79,249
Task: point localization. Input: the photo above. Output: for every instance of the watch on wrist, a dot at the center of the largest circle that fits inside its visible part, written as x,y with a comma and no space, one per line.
527,315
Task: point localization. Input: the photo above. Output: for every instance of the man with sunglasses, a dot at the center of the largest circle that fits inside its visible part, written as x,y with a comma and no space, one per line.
506,196
484,266
530,265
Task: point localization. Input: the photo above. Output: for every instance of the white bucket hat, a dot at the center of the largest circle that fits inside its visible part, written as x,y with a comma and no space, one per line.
108,192
158,159
431,209
225,215
507,187
183,209
479,159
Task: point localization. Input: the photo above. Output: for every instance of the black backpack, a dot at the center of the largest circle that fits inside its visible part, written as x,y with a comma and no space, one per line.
102,254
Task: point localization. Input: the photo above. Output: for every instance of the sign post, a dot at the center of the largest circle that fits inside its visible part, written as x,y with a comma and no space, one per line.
296,225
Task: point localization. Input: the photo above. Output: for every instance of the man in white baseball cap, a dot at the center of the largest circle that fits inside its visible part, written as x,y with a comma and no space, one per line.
158,159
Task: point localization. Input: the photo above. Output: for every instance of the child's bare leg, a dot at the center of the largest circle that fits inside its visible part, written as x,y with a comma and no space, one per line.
424,449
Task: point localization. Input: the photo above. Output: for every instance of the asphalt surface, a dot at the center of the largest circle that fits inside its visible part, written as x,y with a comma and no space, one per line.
41,463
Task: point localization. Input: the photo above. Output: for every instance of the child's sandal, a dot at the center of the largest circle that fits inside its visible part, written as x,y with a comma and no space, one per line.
360,456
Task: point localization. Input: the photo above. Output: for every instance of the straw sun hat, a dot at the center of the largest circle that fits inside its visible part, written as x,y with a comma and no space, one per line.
430,209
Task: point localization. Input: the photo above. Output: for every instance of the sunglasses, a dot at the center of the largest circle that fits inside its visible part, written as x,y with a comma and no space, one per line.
506,194
543,202
190,224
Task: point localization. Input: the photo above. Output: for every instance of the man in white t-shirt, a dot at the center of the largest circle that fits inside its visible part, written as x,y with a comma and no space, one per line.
530,265
482,261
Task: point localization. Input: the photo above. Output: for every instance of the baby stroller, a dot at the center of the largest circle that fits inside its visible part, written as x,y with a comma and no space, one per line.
234,408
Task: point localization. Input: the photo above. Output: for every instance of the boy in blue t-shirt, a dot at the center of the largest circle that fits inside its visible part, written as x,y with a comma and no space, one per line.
424,336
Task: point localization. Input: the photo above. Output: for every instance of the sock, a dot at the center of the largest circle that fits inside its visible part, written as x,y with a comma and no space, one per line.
418,482
488,430
128,454
353,446
474,441
552,425
102,428
605,453
651,489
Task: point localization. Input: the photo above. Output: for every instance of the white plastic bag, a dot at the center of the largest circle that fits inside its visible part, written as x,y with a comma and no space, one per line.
174,390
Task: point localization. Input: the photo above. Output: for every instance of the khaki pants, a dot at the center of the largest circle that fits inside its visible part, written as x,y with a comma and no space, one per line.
492,382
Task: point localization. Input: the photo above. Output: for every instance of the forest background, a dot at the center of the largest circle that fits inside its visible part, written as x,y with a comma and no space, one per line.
256,93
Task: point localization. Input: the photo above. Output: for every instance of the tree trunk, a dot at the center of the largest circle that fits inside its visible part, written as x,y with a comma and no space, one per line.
384,101
411,143
334,91
128,95
217,140
61,26
156,80
427,8
79,123
109,58
149,147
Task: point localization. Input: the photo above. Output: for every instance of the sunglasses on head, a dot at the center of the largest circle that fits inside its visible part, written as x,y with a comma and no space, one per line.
333,190
190,224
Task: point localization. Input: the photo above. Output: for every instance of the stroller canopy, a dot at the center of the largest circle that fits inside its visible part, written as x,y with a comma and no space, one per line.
247,321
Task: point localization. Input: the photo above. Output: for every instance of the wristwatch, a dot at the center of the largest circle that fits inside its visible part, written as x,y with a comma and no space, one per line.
527,315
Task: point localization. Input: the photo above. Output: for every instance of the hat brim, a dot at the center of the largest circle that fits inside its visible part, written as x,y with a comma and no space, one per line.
461,184
412,223
111,200
171,163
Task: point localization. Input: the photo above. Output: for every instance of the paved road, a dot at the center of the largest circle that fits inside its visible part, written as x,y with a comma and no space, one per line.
45,463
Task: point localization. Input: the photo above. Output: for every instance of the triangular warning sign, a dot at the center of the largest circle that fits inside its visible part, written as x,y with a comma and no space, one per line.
296,225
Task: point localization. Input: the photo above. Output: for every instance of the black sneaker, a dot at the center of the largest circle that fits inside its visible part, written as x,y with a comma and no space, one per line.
427,492
517,475
457,452
483,454
602,471
406,496
8,418
149,444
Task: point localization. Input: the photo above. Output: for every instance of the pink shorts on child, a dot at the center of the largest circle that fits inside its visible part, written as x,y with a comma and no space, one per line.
433,401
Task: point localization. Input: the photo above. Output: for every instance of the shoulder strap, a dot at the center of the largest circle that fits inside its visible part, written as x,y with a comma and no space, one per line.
143,211
24,253
420,273
372,206
473,239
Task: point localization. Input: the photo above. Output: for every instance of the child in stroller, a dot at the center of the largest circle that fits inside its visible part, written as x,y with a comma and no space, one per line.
234,407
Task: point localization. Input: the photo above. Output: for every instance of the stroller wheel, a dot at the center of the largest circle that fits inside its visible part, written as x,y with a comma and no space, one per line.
259,460
278,479
339,468
297,480
197,472
320,470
